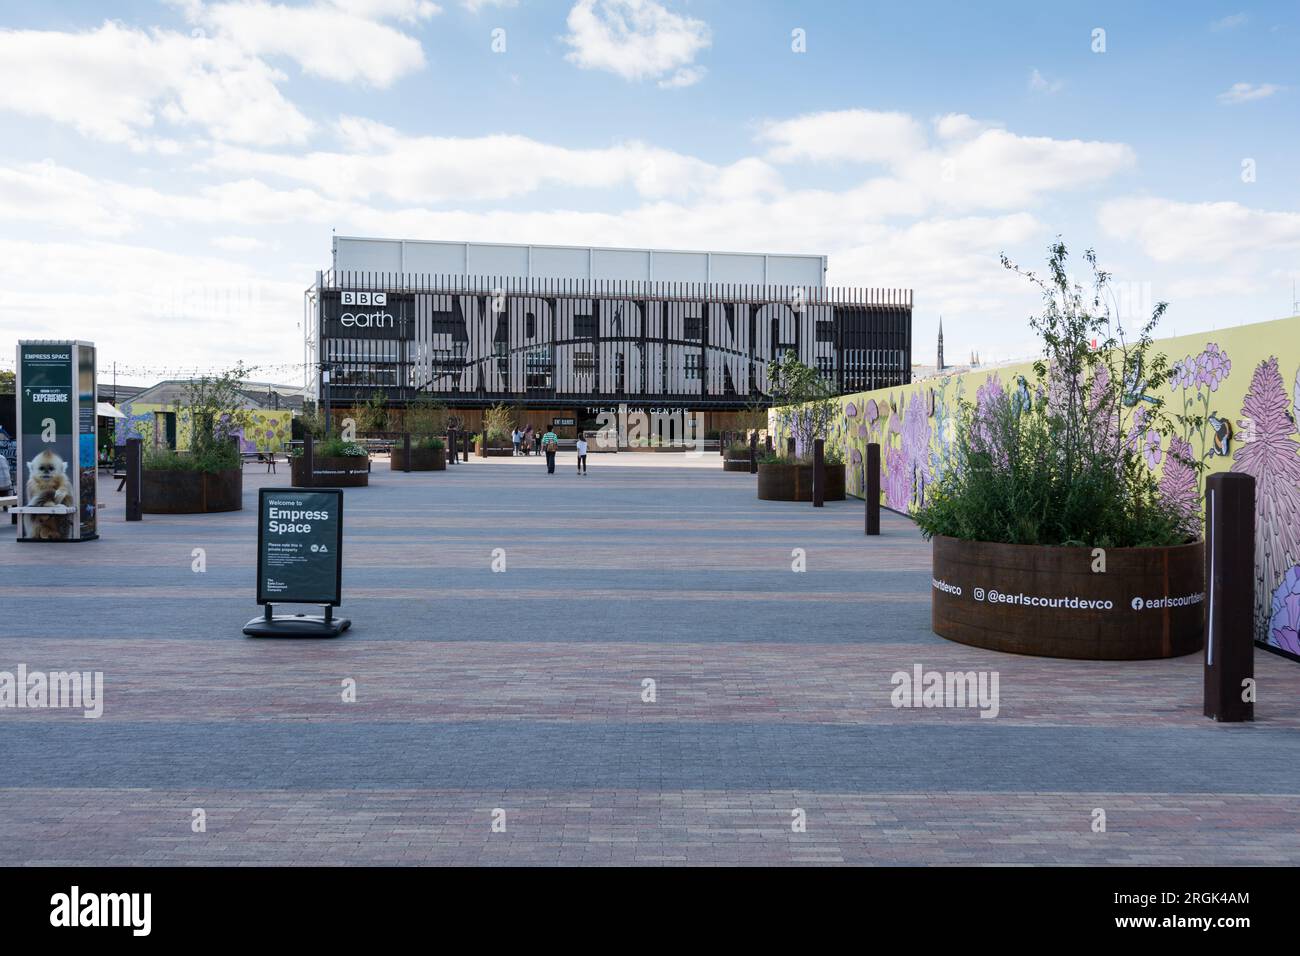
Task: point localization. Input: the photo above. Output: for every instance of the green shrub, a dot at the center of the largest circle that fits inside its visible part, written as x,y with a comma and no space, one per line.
1060,465
210,459
430,443
338,448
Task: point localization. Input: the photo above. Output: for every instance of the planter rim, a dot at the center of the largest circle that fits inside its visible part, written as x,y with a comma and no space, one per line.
1064,547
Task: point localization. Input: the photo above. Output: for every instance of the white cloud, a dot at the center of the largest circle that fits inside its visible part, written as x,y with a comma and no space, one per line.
242,244
474,6
379,161
977,166
118,84
637,40
1041,84
1247,92
864,136
1171,231
1230,22
341,40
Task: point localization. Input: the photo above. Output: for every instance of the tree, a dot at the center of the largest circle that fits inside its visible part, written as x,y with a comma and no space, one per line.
426,416
6,382
373,415
804,401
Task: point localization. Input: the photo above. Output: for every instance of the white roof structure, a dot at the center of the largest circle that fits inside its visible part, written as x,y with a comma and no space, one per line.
421,256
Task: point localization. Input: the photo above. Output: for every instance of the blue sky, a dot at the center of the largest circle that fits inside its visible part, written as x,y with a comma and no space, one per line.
170,171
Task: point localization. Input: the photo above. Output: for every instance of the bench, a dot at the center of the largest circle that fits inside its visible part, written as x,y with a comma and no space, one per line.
40,510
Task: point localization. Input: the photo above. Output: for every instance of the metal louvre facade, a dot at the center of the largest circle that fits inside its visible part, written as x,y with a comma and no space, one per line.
475,341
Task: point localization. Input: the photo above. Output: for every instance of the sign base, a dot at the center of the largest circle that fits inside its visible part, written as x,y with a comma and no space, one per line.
297,625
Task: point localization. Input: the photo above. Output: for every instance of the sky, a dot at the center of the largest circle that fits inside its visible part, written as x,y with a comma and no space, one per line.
171,171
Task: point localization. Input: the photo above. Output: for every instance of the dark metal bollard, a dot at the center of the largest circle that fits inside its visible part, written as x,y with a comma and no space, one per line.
1230,596
466,439
406,451
722,444
753,453
871,488
789,446
767,443
134,478
819,473
308,461
451,446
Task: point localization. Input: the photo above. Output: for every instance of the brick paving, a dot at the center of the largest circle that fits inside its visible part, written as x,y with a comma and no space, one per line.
523,691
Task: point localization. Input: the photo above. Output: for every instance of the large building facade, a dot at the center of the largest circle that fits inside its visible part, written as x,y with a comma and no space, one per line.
569,333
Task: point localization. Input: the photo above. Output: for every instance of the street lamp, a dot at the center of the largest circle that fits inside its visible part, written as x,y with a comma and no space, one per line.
325,395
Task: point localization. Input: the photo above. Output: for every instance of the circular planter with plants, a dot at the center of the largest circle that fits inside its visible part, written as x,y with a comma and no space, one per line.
736,457
207,476
494,440
175,489
1053,534
804,412
427,454
336,464
781,479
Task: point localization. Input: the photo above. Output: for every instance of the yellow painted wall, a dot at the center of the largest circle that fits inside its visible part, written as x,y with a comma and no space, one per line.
267,430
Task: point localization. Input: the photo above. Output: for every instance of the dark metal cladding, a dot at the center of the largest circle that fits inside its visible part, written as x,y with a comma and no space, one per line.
471,341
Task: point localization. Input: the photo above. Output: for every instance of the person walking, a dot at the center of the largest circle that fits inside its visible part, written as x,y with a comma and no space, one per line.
582,455
550,445
515,438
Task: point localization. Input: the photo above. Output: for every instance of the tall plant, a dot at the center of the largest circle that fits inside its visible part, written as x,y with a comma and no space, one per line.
373,415
498,421
426,416
1063,462
214,408
805,406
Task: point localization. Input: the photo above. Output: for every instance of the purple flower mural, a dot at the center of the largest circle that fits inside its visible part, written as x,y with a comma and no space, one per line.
851,410
1270,455
1178,480
1284,625
1151,449
916,448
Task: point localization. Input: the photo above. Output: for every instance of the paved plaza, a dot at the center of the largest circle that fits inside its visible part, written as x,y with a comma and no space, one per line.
524,690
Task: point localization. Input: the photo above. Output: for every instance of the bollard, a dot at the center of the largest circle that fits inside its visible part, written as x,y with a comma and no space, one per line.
819,473
451,446
466,439
871,488
722,444
406,451
134,478
753,453
308,461
789,446
1230,595
767,443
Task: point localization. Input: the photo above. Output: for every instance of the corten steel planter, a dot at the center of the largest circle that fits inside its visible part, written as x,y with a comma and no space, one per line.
422,459
172,492
782,482
494,449
1049,602
345,472
736,464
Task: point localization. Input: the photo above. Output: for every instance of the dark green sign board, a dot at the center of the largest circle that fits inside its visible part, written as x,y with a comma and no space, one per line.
299,546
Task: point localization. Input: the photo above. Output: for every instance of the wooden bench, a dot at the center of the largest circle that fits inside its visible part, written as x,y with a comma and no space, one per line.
40,510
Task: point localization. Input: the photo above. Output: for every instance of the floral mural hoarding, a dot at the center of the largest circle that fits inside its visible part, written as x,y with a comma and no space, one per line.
1237,392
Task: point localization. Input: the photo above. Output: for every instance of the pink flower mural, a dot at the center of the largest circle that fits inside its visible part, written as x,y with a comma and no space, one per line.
1284,625
1178,480
1268,452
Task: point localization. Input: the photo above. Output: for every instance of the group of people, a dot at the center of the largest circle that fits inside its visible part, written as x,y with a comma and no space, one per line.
527,442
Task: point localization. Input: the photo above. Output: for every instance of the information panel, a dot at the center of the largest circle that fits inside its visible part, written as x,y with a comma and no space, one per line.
56,441
299,546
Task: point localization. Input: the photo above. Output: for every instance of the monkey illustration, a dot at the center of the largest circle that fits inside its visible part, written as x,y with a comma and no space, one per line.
47,487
